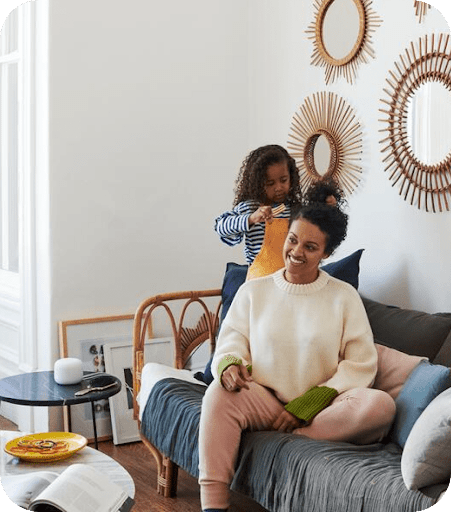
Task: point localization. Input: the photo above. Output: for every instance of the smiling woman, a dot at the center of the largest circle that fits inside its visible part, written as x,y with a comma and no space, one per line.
305,247
330,220
311,380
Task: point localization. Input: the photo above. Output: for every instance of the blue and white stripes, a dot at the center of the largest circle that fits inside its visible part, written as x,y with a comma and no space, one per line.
232,226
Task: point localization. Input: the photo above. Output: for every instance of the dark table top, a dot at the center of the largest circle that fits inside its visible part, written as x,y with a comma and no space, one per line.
40,388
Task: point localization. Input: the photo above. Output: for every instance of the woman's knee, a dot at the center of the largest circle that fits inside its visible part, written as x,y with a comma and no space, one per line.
375,411
366,406
381,402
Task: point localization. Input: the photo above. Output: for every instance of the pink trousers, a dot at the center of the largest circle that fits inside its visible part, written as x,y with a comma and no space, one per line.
360,416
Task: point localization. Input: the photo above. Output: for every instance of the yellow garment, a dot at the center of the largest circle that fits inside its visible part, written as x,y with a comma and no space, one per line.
270,257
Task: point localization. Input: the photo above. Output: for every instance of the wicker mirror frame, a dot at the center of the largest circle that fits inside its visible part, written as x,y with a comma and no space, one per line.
326,114
361,51
429,186
421,9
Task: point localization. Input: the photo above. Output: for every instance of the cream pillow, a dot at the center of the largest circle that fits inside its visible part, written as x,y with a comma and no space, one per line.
426,458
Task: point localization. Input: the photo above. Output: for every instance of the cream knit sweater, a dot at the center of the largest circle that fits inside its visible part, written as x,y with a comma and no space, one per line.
299,336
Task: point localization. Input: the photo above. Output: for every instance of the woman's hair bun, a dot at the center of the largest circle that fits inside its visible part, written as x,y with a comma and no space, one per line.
320,209
322,191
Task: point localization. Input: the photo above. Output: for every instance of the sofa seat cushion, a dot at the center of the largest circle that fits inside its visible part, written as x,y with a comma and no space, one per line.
290,473
284,472
170,421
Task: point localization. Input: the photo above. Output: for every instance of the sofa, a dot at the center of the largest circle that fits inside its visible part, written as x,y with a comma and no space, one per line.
409,470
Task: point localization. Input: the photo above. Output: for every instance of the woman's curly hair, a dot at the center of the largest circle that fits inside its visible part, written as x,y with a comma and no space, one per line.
320,190
250,183
330,219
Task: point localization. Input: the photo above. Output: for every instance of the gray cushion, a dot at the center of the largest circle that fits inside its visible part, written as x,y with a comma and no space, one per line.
444,355
426,458
410,331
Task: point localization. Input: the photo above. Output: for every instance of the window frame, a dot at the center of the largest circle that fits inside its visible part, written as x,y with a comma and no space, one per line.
15,39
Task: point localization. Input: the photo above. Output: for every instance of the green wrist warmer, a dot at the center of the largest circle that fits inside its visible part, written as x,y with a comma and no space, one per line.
225,363
308,405
228,361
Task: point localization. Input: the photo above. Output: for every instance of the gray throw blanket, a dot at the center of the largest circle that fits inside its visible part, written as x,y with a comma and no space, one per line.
286,472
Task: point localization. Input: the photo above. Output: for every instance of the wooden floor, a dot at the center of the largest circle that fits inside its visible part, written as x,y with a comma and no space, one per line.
138,461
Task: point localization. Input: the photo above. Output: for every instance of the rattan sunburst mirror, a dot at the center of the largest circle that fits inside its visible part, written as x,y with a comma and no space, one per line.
328,118
334,21
421,8
424,182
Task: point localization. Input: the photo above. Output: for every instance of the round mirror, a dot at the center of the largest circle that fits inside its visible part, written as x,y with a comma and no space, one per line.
341,28
326,141
429,123
321,155
417,118
341,33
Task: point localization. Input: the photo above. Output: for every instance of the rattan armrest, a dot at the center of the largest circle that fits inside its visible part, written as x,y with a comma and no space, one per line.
186,339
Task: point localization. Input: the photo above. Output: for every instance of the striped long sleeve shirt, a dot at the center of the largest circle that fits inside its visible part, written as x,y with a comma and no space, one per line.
233,226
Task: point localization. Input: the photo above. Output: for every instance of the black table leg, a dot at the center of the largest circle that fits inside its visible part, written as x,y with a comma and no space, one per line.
94,425
69,419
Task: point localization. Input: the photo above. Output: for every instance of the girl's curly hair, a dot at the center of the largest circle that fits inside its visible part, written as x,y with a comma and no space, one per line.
330,219
250,183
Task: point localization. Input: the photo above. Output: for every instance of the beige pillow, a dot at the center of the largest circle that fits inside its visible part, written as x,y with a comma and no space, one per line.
393,368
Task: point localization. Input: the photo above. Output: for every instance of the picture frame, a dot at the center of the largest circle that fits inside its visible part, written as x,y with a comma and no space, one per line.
86,339
119,362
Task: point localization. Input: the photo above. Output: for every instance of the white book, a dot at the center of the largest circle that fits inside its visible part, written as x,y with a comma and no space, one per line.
79,488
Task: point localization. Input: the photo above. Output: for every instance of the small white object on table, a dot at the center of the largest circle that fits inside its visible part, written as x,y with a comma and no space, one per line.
68,371
10,465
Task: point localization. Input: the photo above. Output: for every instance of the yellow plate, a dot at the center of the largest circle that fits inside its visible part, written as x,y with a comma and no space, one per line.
46,446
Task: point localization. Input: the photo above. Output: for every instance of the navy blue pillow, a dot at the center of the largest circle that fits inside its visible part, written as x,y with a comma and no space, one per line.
234,277
346,269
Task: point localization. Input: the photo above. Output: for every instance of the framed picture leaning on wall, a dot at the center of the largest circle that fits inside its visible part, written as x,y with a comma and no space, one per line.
119,362
86,340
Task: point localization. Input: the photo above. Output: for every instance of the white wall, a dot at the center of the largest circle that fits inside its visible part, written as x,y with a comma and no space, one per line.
148,126
152,107
406,258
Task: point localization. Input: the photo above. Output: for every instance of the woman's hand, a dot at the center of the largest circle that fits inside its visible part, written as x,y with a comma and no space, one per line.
286,422
262,214
236,377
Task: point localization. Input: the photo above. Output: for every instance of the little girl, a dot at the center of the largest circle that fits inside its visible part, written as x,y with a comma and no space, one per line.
267,179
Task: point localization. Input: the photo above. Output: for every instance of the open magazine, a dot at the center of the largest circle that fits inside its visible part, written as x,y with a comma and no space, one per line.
79,488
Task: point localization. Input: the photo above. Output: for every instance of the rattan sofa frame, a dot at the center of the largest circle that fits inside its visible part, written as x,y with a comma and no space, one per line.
186,340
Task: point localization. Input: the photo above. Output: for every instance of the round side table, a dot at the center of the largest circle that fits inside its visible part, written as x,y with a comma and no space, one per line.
40,389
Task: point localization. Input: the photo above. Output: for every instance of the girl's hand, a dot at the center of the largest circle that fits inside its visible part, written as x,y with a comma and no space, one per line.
331,200
286,422
262,214
236,377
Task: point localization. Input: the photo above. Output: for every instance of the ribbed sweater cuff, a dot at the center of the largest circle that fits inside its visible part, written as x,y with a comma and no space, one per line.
308,405
229,361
